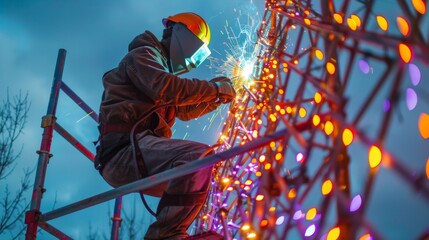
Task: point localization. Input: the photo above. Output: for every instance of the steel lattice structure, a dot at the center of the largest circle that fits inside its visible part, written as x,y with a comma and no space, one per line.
304,79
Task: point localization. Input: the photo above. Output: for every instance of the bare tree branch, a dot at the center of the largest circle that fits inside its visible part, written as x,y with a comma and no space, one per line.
13,117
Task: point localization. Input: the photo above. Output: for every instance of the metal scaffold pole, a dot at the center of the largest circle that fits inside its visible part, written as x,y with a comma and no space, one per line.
48,121
33,217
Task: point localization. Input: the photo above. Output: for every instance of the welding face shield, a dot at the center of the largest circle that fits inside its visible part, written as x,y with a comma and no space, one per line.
187,51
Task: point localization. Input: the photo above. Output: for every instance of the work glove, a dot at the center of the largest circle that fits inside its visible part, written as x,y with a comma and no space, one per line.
225,90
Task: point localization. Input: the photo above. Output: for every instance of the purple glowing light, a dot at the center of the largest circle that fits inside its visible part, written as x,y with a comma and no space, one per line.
356,203
280,220
298,215
386,105
415,74
411,98
364,66
310,230
299,157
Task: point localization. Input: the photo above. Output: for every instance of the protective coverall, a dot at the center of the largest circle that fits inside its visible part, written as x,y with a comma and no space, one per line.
141,82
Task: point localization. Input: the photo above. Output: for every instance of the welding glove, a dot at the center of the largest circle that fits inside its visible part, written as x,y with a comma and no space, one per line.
225,90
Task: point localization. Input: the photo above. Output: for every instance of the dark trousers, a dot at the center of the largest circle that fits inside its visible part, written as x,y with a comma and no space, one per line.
181,198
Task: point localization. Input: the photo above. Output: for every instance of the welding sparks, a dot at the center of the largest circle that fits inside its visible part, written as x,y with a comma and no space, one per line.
84,117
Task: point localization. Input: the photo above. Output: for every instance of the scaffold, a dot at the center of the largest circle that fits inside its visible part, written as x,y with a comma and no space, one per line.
283,168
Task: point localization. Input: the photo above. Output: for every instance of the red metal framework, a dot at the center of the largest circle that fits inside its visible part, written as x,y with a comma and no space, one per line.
33,217
293,133
305,60
36,218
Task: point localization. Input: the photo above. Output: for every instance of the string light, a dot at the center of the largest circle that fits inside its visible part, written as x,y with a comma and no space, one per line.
374,156
420,6
268,104
382,23
403,26
424,125
347,137
333,234
405,52
326,187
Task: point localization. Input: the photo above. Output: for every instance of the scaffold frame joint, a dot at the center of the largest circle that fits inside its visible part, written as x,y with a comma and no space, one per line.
48,120
32,216
45,152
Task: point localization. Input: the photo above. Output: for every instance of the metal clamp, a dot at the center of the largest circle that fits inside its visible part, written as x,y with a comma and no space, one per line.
48,120
44,152
32,216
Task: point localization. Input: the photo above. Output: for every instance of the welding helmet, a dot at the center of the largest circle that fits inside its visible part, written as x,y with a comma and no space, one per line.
189,40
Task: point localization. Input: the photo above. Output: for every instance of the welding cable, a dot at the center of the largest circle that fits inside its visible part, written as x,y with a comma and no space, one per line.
136,160
142,172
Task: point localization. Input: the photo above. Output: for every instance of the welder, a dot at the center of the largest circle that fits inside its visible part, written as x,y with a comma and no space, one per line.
142,97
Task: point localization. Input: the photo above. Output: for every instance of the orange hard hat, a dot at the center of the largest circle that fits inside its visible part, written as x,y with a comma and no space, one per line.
194,22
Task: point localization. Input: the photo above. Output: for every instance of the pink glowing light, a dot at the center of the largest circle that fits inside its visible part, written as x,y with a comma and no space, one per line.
415,74
386,105
299,157
298,215
280,220
364,66
356,203
411,98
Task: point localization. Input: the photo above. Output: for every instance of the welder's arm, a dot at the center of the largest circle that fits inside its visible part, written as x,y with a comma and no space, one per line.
148,71
186,113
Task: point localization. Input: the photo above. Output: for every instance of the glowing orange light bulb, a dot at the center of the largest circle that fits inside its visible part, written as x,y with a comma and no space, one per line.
245,227
316,120
374,156
226,180
326,187
260,197
347,137
356,19
366,236
307,21
352,24
338,17
278,156
319,54
248,182
292,193
330,67
405,52
403,26
424,125
311,214
317,97
302,112
329,128
263,223
333,234
420,6
255,133
382,23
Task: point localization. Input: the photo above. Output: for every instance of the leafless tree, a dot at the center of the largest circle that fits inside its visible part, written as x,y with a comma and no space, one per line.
13,204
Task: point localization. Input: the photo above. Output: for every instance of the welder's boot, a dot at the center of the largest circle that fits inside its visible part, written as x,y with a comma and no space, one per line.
174,215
